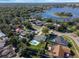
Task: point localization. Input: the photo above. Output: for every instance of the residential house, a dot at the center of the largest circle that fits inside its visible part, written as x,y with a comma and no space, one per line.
7,52
37,22
18,30
40,38
56,26
59,40
21,32
59,51
2,34
3,39
2,43
37,39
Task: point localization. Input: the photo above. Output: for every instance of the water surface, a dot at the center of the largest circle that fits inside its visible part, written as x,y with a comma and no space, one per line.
50,13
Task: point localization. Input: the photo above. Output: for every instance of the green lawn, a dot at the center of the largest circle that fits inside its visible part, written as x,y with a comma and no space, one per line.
73,43
38,47
36,27
65,15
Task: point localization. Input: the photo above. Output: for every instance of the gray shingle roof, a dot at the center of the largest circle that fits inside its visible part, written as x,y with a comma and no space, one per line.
60,40
7,52
2,43
40,38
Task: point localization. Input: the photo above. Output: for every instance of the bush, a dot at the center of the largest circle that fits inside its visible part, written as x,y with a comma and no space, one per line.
49,20
50,26
77,32
69,45
72,53
45,30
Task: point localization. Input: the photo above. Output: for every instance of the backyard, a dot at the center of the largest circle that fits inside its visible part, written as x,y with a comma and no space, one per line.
37,47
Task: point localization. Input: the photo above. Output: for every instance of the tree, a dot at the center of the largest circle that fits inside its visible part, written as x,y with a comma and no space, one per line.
25,53
62,28
10,33
49,20
14,40
5,28
50,26
72,53
77,32
27,25
69,45
45,30
65,24
21,46
72,28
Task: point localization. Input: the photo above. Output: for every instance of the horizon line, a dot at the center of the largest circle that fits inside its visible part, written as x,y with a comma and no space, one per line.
38,2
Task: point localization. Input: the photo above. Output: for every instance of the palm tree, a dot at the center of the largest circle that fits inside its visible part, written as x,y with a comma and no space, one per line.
21,47
45,30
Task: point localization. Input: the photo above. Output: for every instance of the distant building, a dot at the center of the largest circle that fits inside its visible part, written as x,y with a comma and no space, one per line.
37,22
59,51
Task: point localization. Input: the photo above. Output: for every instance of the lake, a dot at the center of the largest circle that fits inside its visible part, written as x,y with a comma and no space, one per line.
50,13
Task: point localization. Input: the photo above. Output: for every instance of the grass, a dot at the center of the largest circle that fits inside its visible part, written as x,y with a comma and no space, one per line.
73,43
38,47
62,15
36,27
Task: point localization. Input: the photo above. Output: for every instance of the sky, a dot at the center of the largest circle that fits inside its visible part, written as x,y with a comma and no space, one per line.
36,1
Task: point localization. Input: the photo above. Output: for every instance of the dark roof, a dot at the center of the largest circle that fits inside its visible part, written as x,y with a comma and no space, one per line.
39,23
52,36
60,40
40,38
